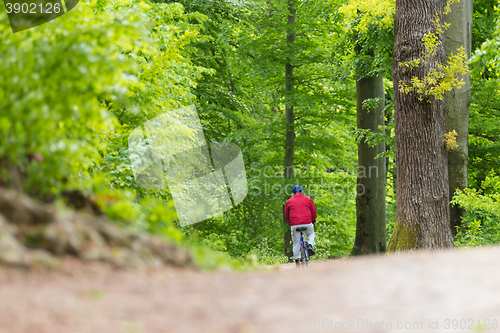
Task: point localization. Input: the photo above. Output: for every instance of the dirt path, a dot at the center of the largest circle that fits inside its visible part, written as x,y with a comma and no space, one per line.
419,291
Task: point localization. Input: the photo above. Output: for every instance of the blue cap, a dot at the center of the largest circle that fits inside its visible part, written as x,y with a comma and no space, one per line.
297,188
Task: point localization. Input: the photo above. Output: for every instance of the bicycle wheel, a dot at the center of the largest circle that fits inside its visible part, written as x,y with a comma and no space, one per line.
307,252
303,251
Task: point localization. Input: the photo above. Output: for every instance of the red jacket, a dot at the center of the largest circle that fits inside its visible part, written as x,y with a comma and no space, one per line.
300,209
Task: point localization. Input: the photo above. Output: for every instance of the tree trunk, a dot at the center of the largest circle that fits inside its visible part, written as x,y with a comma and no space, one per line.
423,213
457,105
289,117
371,181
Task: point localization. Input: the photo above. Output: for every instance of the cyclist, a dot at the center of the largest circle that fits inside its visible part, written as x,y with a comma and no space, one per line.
301,212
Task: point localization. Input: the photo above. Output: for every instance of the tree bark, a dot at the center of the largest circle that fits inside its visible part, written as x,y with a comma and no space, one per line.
289,117
457,105
423,212
371,180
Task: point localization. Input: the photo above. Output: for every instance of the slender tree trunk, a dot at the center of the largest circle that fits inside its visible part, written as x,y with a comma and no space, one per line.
457,104
289,117
423,212
371,181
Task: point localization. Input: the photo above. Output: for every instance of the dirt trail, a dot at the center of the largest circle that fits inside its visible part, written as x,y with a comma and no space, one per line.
416,292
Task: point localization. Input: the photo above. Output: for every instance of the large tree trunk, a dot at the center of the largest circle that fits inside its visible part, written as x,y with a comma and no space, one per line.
371,181
457,104
289,117
423,213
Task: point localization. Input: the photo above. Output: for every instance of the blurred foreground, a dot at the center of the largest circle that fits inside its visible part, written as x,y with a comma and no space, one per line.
446,291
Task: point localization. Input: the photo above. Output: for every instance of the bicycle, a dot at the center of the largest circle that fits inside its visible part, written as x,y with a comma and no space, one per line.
304,252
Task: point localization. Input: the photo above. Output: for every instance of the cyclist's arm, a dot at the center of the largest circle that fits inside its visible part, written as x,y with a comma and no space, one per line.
287,213
313,211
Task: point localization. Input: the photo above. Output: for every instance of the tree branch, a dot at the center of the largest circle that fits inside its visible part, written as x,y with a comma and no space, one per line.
484,136
236,46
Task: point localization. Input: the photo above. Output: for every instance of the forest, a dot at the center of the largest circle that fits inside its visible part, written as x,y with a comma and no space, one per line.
394,134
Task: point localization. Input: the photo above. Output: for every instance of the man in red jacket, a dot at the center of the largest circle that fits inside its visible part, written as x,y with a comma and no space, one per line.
300,212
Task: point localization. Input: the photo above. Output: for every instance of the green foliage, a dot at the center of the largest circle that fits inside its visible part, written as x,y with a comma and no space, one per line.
369,28
48,96
484,21
481,225
367,13
484,58
267,254
74,89
470,235
166,76
390,226
484,125
484,131
385,132
208,258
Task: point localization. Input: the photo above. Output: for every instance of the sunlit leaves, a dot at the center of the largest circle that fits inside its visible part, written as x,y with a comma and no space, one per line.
361,14
437,81
54,78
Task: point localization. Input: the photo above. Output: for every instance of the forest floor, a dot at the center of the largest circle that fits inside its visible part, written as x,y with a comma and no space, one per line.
414,292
